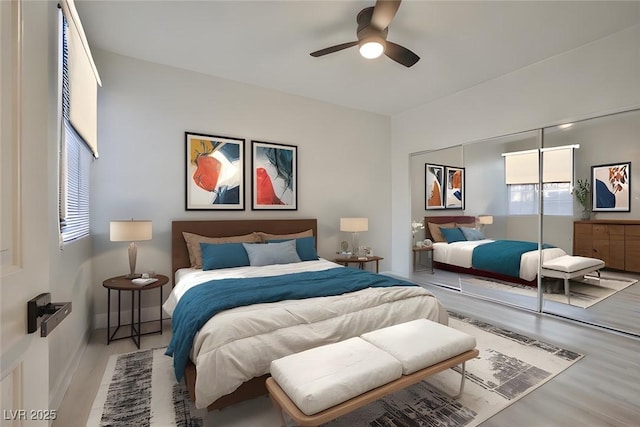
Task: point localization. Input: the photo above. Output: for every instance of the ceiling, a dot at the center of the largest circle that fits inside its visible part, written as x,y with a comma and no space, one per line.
267,43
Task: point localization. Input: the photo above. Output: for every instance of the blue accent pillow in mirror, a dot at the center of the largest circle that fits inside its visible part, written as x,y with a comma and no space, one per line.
452,235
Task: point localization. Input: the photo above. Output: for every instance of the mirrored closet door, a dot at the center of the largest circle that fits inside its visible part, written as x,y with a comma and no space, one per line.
566,194
498,206
599,222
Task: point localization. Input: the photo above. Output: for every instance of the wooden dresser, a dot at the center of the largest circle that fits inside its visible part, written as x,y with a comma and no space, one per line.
616,242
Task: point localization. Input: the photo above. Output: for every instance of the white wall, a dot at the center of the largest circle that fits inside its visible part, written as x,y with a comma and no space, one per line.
599,77
144,110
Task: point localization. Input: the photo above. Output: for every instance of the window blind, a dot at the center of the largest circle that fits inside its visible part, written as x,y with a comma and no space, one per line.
75,220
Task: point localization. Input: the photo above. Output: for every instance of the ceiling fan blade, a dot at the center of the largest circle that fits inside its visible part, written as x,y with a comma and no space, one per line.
332,49
383,13
400,54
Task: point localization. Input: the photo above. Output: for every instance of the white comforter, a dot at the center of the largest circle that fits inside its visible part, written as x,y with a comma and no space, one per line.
461,253
239,344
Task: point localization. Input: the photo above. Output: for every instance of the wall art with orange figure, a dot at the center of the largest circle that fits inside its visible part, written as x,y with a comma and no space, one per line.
454,188
274,168
434,186
214,172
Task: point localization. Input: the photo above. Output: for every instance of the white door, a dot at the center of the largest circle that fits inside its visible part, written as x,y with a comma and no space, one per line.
24,216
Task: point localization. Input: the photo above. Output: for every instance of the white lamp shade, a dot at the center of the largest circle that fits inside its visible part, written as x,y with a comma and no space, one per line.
130,231
485,219
354,225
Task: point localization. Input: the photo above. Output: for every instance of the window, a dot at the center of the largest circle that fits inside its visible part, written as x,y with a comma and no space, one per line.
556,199
78,143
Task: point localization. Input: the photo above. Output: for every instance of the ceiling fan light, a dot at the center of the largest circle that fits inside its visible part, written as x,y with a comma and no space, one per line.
371,49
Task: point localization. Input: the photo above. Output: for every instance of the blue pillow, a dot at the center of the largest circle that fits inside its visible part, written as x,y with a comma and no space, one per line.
272,253
305,246
472,233
452,235
223,255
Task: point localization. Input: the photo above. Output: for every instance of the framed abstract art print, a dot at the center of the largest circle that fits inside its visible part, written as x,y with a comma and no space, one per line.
274,170
454,187
215,173
434,186
611,187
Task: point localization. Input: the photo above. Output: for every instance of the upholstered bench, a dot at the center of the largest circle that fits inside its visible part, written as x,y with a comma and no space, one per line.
318,385
568,267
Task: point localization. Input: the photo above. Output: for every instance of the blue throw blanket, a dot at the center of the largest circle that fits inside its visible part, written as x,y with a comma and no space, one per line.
201,302
502,256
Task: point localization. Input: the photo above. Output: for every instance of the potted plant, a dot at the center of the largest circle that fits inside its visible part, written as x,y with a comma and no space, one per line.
582,191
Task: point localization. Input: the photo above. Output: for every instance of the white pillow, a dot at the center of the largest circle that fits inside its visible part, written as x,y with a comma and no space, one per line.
272,253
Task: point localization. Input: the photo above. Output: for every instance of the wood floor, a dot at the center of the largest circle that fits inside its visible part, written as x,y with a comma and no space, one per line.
602,389
619,312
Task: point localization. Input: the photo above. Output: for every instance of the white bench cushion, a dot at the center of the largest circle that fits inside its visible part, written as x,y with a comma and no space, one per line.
571,264
420,343
325,376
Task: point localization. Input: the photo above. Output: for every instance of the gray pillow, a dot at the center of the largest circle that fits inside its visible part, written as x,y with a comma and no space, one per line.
472,233
272,253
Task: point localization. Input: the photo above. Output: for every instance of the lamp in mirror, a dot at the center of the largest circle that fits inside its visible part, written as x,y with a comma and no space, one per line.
354,226
484,220
130,231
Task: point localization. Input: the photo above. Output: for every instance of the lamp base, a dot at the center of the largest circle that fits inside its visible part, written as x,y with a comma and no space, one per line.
133,276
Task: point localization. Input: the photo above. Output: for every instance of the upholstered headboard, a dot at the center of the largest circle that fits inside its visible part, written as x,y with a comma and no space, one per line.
180,254
457,219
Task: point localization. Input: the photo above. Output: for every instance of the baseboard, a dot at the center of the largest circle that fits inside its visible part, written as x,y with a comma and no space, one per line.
56,393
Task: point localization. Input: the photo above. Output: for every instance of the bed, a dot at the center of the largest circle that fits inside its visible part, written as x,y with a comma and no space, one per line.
231,353
516,261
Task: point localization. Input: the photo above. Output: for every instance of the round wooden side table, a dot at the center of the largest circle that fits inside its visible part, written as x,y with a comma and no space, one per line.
120,284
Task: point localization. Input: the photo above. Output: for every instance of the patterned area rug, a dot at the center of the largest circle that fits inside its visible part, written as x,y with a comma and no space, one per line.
584,292
139,389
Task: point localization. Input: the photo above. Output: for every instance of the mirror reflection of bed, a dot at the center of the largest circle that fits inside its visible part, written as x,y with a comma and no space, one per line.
591,297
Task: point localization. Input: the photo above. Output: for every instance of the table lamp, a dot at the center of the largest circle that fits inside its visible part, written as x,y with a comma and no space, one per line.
484,220
354,226
130,231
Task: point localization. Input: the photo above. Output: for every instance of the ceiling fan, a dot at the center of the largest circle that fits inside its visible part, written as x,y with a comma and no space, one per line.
373,26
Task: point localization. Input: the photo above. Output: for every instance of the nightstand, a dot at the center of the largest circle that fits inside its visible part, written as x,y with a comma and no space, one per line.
121,283
417,258
361,261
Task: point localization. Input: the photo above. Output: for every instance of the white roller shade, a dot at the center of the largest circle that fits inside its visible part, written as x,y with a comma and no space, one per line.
557,164
83,80
521,167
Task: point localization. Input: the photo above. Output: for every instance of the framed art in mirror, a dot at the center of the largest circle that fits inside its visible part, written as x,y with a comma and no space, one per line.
274,169
214,172
434,186
611,187
454,188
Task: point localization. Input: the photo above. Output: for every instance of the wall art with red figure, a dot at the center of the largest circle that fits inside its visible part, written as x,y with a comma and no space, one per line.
214,172
274,170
